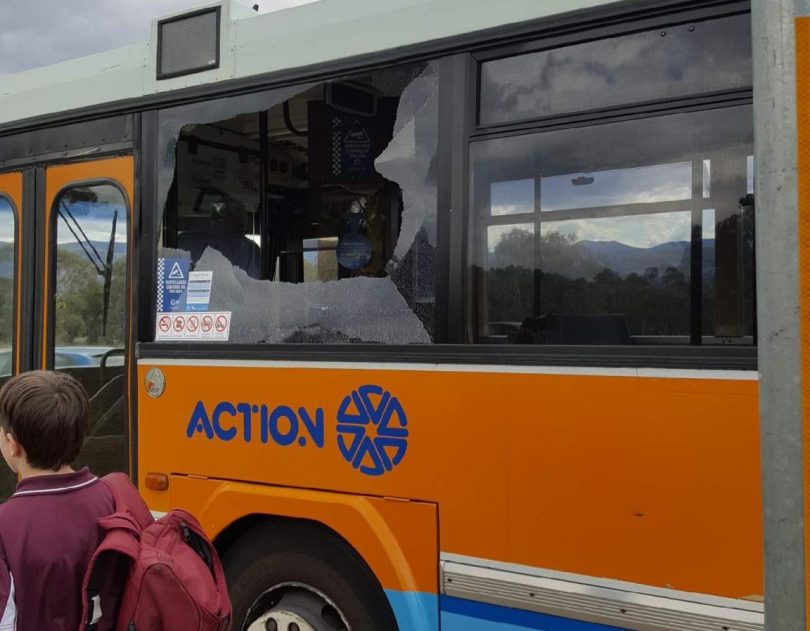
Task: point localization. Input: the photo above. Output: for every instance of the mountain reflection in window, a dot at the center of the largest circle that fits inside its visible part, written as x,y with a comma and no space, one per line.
636,266
586,235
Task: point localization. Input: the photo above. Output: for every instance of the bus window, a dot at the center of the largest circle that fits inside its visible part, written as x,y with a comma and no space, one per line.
672,62
341,248
584,235
7,240
90,313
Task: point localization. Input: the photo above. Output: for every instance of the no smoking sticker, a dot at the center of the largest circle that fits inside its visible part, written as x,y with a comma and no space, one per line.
193,324
207,323
214,326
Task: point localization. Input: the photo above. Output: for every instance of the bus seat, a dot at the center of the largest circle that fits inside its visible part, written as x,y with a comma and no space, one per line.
582,329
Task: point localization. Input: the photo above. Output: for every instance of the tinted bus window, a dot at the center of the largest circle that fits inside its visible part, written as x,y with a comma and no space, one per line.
584,235
670,62
90,311
7,265
343,248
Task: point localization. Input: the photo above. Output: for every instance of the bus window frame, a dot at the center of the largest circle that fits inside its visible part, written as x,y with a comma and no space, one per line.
49,350
16,285
481,132
697,337
597,31
456,132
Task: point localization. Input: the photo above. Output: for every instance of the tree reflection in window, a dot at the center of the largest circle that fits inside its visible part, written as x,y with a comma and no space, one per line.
90,311
91,268
596,246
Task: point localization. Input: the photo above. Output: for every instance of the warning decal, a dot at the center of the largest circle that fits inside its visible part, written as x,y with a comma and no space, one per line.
172,283
211,325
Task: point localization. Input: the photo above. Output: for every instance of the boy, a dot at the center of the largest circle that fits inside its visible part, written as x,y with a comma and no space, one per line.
48,528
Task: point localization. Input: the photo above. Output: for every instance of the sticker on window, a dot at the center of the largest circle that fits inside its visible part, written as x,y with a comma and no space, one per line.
198,294
172,275
207,325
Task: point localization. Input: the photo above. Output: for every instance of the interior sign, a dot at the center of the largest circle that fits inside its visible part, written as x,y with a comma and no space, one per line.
172,275
198,294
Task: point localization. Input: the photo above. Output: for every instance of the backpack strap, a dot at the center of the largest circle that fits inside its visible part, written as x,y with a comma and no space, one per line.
127,499
122,538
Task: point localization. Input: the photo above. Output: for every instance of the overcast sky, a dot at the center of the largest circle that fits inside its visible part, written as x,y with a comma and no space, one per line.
39,32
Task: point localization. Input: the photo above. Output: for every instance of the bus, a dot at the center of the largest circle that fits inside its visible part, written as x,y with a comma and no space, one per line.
438,314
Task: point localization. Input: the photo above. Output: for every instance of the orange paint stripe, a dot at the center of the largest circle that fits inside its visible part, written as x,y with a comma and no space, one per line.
803,137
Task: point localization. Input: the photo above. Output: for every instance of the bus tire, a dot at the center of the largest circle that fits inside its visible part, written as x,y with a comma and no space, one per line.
300,573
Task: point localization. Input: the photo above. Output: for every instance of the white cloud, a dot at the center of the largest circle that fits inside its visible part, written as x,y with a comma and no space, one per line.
6,222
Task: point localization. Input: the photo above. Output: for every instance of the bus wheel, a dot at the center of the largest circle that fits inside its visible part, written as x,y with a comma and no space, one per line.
300,577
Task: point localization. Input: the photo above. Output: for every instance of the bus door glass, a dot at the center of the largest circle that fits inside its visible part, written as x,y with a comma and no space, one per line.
10,269
10,203
86,296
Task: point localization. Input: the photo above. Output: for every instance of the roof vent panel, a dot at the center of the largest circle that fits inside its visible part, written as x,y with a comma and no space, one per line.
188,43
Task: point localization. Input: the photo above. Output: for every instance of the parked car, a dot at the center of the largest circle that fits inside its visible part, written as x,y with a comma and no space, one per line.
68,356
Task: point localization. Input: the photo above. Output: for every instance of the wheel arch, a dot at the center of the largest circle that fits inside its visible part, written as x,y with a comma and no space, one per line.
397,540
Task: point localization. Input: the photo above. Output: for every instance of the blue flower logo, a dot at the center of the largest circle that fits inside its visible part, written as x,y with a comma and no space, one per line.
372,430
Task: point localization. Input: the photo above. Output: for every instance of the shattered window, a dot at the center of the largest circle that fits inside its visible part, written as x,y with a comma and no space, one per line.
302,215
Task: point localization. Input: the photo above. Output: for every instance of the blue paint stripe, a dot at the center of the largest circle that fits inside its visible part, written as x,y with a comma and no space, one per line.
467,615
415,611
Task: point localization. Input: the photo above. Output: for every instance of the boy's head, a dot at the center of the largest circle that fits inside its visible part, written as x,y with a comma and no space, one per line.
43,419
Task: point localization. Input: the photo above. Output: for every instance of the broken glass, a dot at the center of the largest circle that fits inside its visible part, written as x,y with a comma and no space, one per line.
351,256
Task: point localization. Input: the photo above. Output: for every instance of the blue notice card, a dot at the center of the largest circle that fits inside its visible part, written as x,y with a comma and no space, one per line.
172,279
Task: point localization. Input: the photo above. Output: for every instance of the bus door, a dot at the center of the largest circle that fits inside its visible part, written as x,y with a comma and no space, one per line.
15,352
84,295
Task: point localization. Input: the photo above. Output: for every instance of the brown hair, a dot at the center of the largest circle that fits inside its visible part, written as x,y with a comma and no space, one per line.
46,412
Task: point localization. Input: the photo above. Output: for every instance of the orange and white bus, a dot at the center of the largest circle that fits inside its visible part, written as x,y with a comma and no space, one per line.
439,314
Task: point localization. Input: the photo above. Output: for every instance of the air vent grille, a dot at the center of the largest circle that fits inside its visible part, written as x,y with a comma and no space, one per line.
188,43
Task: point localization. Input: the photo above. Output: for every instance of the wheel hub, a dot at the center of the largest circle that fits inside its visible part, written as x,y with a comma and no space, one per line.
281,621
298,608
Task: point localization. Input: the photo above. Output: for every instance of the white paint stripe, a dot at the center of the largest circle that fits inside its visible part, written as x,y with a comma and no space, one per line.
61,489
582,371
604,583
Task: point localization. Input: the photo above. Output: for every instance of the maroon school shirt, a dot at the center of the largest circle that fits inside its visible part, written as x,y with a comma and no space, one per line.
48,531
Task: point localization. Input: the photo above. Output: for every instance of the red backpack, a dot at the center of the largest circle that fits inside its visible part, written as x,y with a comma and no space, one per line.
149,575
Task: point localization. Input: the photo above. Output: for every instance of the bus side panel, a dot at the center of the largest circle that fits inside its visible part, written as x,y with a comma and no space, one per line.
450,452
656,481
397,539
602,474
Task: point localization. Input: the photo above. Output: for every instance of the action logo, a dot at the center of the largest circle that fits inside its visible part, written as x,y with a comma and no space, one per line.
371,427
372,430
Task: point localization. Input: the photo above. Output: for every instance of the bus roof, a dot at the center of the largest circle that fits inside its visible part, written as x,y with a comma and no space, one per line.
256,44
